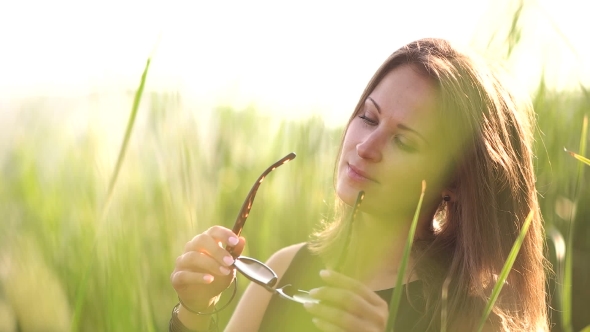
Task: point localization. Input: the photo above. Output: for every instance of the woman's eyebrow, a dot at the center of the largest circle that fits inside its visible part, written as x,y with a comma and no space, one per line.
399,125
375,103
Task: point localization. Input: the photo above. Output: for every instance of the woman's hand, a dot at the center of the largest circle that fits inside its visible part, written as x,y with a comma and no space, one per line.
347,305
204,270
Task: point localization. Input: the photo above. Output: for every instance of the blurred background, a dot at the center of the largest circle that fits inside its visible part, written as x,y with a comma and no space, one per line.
232,87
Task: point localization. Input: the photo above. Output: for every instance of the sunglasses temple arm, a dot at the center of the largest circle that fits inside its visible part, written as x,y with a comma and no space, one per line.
245,210
247,205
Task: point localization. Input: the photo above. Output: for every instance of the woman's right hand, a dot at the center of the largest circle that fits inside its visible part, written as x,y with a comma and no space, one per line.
204,270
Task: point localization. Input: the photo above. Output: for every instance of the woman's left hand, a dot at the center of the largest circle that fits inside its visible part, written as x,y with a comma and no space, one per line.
347,305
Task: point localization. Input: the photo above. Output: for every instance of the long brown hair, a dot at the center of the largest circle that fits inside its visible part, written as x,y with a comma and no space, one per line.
494,186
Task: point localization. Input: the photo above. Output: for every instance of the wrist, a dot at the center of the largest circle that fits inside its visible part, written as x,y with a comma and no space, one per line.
193,320
185,321
199,307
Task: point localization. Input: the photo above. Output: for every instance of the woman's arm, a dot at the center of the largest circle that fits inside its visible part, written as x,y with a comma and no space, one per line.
250,311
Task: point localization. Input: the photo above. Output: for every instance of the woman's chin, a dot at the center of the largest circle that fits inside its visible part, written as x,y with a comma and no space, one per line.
346,194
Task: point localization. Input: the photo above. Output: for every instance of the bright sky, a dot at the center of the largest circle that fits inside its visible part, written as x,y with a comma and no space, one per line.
287,57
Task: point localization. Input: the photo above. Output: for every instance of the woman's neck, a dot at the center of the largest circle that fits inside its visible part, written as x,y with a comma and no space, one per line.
376,250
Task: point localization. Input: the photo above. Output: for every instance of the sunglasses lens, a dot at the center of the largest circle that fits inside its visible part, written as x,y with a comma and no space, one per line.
256,271
297,295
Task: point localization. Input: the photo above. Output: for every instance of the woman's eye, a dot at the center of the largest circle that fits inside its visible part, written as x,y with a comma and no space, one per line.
404,145
368,120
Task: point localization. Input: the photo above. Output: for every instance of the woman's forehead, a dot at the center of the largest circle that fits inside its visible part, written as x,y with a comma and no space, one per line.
407,97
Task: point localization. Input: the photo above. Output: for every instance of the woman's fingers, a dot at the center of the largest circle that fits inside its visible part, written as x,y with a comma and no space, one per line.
340,280
201,262
221,237
213,243
347,304
205,269
326,326
238,248
334,318
182,279
346,301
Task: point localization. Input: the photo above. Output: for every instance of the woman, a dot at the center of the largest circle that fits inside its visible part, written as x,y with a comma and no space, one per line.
429,113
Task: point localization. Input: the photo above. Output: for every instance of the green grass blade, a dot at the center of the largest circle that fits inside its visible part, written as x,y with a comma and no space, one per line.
566,297
130,124
583,140
515,32
90,263
579,157
505,270
397,291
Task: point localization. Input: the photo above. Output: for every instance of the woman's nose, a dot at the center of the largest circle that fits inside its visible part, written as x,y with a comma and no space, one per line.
371,146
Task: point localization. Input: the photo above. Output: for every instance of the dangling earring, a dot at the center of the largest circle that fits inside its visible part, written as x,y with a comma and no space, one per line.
447,198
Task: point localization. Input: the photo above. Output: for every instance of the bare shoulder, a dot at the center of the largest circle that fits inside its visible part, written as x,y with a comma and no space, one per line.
281,259
252,306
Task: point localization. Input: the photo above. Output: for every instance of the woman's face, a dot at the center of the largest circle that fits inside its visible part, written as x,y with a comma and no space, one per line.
392,145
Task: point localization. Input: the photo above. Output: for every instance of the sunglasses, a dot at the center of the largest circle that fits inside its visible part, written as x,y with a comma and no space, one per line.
262,274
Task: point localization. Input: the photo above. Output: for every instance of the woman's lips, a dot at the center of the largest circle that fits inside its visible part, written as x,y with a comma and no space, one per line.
358,175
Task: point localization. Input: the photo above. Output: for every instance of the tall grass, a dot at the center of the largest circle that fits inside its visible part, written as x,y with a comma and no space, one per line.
566,295
563,190
505,271
179,178
397,291
89,267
